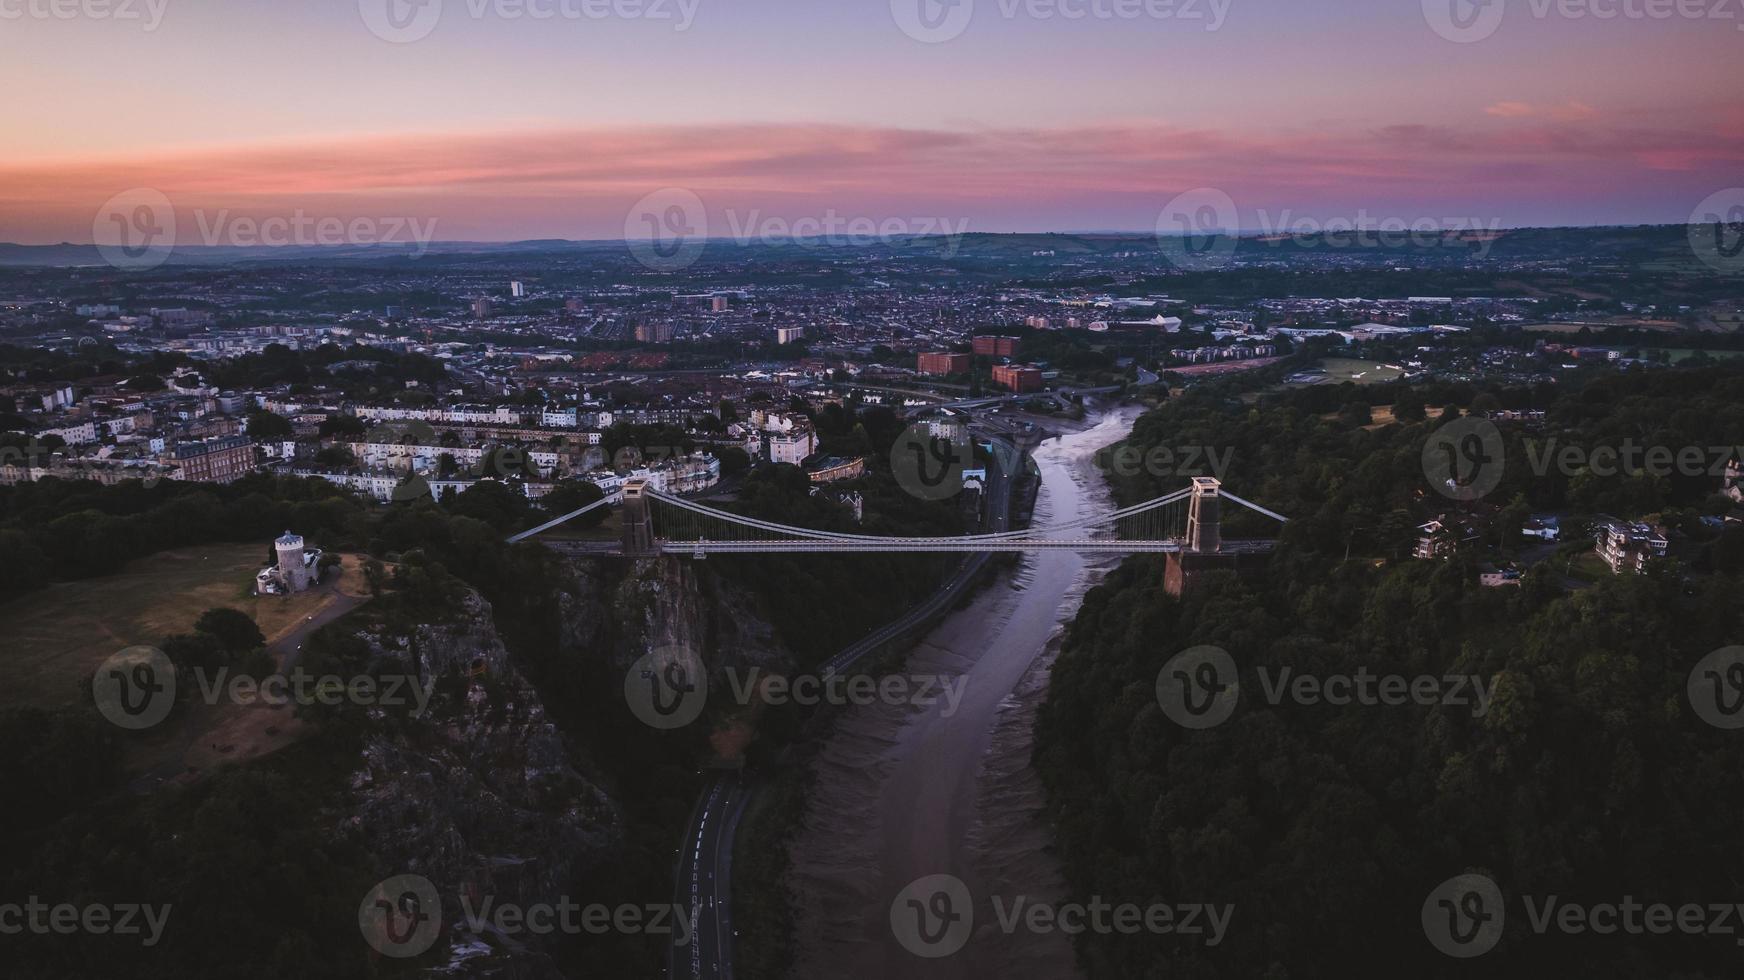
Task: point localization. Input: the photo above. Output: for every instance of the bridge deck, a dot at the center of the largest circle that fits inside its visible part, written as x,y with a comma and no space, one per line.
910,545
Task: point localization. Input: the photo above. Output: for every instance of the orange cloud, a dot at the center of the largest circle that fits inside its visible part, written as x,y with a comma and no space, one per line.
582,183
1567,112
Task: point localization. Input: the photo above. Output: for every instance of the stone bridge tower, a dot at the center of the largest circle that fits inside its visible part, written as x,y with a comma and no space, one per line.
638,521
1204,527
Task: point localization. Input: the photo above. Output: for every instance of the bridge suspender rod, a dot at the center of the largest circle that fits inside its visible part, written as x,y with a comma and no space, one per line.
524,535
1256,507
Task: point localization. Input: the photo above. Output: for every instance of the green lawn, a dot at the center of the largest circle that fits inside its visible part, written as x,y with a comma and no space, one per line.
1341,369
59,634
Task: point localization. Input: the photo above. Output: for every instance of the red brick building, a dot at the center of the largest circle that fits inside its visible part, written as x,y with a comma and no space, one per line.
1017,377
220,460
991,346
944,363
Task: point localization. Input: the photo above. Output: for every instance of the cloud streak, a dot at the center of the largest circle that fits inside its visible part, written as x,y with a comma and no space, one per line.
1516,162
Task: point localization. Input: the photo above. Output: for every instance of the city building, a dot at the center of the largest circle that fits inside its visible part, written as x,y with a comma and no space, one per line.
1441,537
19,467
81,434
992,346
483,308
1628,546
792,447
852,499
833,469
1542,528
789,335
942,363
518,290
653,333
224,459
1017,377
1492,577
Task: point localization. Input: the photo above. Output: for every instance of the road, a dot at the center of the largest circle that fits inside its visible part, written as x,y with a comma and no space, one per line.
705,867
288,650
704,885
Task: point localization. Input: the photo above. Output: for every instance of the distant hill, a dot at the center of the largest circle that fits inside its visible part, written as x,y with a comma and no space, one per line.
1630,245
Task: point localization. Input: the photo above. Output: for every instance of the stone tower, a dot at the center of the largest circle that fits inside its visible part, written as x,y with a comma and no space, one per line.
638,523
291,567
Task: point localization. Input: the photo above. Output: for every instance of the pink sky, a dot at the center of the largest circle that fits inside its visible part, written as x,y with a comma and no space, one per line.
497,128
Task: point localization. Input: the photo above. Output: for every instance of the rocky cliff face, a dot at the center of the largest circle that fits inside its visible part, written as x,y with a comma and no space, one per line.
663,602
482,794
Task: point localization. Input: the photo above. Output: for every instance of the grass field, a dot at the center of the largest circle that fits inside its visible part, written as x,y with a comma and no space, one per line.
61,633
1341,369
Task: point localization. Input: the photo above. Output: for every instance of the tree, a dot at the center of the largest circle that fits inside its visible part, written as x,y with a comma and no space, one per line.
493,502
336,457
269,427
1408,406
375,575
196,651
232,628
506,462
336,426
733,460
572,495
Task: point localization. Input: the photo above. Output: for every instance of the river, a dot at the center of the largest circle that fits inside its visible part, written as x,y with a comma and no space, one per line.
903,793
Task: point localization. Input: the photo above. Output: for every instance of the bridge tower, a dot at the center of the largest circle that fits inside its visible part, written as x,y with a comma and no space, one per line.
1204,527
1204,551
638,521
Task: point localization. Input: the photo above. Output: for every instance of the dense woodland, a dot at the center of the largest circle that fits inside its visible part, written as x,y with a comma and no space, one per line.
1589,777
269,883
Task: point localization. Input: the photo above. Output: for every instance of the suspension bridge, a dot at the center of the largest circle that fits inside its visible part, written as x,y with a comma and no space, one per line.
655,523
